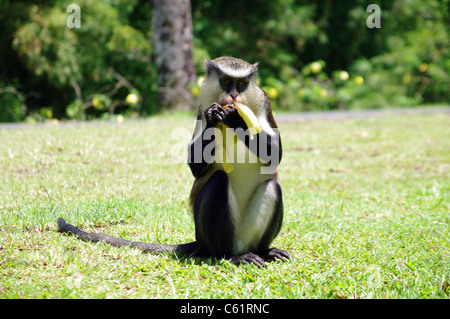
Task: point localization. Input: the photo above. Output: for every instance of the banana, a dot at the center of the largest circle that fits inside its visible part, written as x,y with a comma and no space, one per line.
249,118
253,126
221,144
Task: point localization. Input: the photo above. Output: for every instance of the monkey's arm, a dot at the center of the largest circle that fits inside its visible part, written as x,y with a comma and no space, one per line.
267,147
196,152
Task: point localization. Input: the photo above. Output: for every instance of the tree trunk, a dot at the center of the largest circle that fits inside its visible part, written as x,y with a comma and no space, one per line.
172,42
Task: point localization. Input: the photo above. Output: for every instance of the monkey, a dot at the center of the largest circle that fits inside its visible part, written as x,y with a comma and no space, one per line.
237,214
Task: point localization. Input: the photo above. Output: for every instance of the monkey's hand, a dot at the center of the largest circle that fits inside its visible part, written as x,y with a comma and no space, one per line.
213,115
229,116
232,118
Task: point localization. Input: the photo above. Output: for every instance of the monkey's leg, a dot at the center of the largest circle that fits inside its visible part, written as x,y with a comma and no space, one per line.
262,221
213,220
214,224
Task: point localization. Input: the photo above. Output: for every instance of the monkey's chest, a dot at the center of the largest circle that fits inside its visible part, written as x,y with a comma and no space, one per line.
244,180
245,175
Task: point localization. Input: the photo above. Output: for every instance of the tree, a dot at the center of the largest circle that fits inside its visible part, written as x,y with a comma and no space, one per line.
172,41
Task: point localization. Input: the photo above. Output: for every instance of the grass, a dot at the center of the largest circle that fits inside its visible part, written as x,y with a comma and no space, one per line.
366,212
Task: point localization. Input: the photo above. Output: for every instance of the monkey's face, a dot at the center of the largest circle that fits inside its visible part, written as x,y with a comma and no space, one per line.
225,89
232,88
231,80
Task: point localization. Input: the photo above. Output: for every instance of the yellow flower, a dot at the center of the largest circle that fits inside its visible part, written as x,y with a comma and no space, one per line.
323,93
343,75
195,91
132,98
272,93
120,118
45,111
423,67
315,67
301,93
95,101
359,80
407,78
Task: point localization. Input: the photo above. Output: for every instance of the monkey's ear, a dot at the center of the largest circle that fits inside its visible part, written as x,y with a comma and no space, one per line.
255,65
208,66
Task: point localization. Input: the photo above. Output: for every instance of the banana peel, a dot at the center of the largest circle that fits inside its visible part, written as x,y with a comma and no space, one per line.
253,125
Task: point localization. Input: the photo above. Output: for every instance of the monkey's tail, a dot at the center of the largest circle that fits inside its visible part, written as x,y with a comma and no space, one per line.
184,249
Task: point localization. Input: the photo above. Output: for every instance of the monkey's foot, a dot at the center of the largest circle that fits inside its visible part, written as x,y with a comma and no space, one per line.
275,253
248,258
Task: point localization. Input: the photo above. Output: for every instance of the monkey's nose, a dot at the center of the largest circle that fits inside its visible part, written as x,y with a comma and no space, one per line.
234,93
238,99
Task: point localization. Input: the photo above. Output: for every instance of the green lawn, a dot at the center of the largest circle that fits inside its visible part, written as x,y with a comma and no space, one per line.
366,212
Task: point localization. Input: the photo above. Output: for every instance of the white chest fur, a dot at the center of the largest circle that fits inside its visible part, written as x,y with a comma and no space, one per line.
252,202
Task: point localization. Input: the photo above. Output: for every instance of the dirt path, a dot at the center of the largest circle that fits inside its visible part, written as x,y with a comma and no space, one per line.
345,114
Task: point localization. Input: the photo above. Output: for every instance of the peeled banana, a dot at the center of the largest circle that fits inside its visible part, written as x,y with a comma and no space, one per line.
221,147
249,118
253,125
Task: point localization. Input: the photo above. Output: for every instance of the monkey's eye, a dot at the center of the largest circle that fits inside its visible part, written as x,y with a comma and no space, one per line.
226,80
242,84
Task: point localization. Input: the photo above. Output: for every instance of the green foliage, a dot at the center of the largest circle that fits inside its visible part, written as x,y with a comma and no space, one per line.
13,106
48,48
417,57
107,58
405,62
